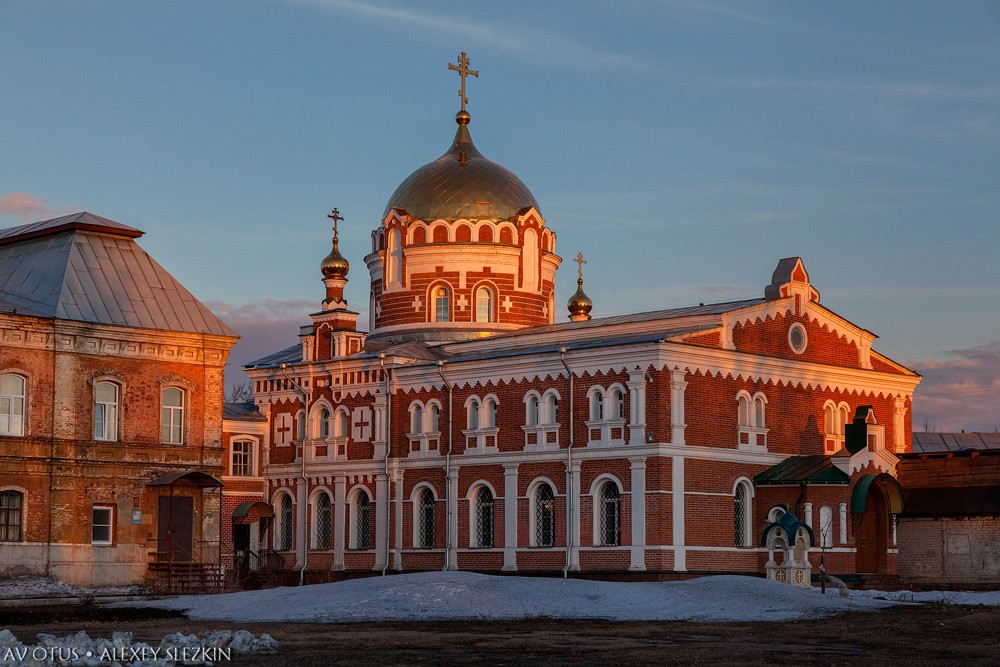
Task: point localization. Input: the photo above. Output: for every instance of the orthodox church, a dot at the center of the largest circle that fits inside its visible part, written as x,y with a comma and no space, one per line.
478,425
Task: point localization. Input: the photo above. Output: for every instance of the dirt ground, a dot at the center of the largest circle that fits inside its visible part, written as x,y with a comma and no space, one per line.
913,635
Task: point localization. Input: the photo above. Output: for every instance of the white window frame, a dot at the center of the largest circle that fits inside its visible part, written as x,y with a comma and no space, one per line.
353,533
177,431
110,525
597,509
13,405
473,499
109,411
251,456
314,523
490,317
532,494
415,499
747,518
751,419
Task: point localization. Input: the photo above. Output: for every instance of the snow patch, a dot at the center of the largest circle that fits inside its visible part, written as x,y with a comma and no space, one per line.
43,587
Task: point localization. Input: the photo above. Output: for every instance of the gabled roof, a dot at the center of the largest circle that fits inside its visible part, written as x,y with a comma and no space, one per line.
813,469
244,412
86,268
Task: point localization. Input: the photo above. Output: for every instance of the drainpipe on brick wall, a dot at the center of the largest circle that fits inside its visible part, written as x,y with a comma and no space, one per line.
388,448
52,461
447,475
569,469
302,474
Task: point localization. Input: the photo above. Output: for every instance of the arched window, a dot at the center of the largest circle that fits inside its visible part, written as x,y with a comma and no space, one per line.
743,401
362,521
609,500
300,425
758,403
484,518
105,411
324,520
551,409
484,304
830,418
617,404
172,416
825,527
442,304
531,411
597,406
545,516
324,423
11,404
472,414
11,520
342,427
285,533
417,419
742,528
844,416
425,528
491,413
434,417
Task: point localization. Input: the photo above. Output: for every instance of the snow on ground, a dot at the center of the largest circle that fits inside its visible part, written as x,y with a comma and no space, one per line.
436,596
986,598
43,587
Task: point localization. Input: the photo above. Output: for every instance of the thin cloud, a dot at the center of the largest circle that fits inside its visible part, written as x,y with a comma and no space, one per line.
528,43
25,206
960,393
727,12
886,88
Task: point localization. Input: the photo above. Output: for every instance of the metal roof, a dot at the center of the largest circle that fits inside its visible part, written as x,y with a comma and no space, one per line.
89,269
246,412
197,477
462,183
813,469
939,443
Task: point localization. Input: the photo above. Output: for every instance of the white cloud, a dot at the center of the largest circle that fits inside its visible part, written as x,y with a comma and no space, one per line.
528,43
25,207
961,393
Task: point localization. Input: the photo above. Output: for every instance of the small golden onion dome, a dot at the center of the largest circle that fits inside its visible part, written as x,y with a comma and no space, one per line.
463,117
335,265
579,304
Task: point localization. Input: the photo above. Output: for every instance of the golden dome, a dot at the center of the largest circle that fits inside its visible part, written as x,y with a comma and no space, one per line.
462,183
579,304
335,265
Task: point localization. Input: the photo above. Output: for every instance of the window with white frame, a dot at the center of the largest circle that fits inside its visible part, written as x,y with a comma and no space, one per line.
11,516
531,410
597,404
742,514
102,524
105,411
342,426
617,404
609,514
551,407
751,419
490,416
416,418
12,389
324,423
484,304
285,524
472,414
483,526
433,418
172,416
362,521
545,516
425,528
835,418
242,459
442,304
300,425
323,522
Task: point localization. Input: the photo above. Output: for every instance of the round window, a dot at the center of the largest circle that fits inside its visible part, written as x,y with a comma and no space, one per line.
797,339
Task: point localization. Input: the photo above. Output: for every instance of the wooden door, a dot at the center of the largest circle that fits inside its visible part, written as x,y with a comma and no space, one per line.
175,532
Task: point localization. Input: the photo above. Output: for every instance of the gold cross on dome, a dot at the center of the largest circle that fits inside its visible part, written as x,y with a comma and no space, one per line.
463,70
335,216
581,261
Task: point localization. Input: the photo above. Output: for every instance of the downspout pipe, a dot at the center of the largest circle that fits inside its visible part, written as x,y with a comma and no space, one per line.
447,473
385,463
303,513
569,469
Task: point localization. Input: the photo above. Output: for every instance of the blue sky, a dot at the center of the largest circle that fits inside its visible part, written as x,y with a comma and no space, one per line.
683,146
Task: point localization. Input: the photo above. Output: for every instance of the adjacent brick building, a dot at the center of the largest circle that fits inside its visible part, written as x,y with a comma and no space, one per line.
111,379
